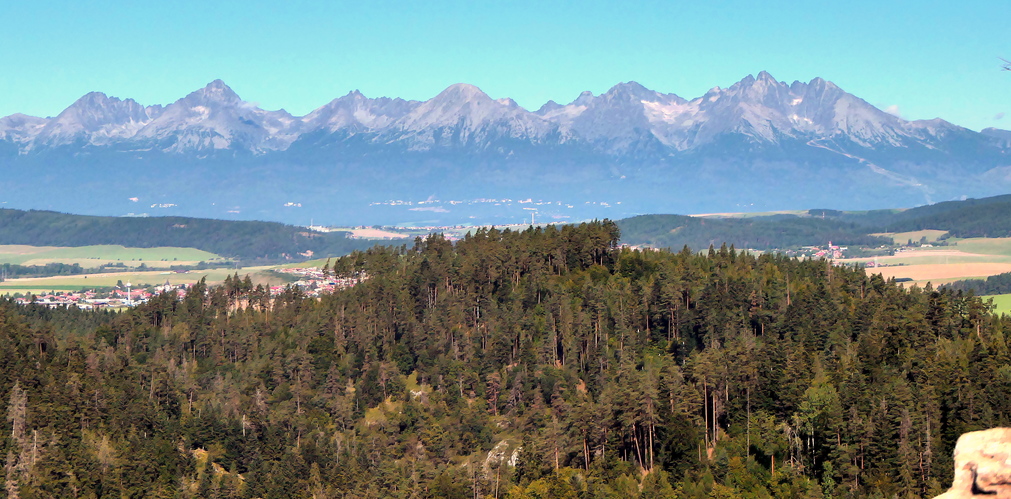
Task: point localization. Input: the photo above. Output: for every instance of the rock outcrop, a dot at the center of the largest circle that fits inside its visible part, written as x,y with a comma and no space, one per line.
982,465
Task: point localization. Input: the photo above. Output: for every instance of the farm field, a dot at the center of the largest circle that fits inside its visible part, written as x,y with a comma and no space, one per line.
94,256
941,273
966,258
997,246
936,257
904,237
39,285
1002,303
377,234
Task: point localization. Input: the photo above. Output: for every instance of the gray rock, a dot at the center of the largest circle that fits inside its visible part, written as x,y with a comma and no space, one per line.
982,465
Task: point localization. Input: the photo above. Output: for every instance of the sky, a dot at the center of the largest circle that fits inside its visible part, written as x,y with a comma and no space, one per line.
917,59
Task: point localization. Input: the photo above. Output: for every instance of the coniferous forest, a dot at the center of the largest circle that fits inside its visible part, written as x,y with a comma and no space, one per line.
547,363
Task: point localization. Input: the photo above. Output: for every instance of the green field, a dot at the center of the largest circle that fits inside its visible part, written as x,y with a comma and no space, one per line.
1002,303
997,246
915,236
95,256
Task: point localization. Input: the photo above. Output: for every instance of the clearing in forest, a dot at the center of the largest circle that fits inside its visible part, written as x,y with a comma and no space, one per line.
1002,303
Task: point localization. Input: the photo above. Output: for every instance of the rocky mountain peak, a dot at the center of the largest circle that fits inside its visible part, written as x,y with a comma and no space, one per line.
354,113
585,97
548,106
461,92
634,93
98,103
214,92
94,118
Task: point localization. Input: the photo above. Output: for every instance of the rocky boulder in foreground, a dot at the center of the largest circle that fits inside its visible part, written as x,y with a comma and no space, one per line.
982,465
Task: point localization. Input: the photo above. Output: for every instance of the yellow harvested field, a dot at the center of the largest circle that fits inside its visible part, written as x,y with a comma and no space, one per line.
937,272
376,234
975,258
937,256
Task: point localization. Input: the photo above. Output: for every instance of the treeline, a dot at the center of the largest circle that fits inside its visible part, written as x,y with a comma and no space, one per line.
246,240
762,233
994,285
11,270
545,363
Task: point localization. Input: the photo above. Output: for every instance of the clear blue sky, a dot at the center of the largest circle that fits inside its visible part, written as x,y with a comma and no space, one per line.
928,58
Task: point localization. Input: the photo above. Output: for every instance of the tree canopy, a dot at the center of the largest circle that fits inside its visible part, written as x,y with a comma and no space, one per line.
533,364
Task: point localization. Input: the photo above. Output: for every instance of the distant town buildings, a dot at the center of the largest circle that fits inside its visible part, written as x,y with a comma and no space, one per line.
89,300
314,282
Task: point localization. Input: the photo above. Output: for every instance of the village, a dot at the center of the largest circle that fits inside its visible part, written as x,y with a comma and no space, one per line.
314,282
96,299
830,252
311,281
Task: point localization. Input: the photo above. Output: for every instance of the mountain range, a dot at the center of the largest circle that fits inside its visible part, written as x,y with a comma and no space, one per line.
464,156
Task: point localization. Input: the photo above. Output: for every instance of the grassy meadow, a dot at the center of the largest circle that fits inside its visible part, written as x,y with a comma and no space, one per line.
1002,303
915,236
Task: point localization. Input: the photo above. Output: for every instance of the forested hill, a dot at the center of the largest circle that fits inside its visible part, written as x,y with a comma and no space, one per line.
984,217
545,363
234,239
763,233
987,217
994,285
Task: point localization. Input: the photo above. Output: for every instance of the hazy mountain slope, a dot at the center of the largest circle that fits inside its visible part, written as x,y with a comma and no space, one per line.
1002,137
758,144
95,119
